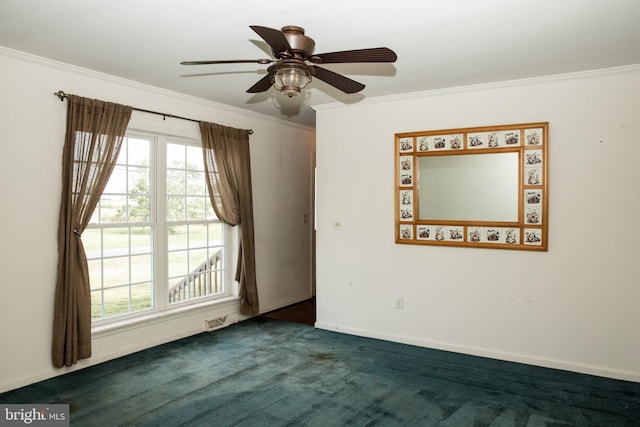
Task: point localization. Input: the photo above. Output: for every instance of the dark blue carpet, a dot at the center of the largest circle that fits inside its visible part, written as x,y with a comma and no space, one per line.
265,372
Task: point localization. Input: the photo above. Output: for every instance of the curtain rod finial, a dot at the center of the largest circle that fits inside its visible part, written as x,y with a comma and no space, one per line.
60,94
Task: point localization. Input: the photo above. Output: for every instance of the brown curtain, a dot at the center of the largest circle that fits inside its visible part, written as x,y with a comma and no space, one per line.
228,172
95,132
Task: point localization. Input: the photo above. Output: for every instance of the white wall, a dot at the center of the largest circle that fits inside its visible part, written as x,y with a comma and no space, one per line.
574,307
33,126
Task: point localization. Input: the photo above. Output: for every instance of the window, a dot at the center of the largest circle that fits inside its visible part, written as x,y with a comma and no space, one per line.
154,241
195,237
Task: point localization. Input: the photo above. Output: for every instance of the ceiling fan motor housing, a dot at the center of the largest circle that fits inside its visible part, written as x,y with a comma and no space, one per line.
301,45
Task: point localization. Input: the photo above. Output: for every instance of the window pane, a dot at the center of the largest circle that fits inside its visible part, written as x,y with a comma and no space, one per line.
139,208
138,179
175,208
96,304
115,241
95,216
139,150
215,234
174,281
196,207
141,296
113,208
122,155
92,242
141,268
176,181
178,263
141,241
197,260
196,185
95,273
197,236
209,212
195,158
177,238
175,156
117,181
216,282
118,269
116,301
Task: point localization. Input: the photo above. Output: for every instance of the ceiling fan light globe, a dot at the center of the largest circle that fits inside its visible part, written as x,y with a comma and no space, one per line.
290,91
291,79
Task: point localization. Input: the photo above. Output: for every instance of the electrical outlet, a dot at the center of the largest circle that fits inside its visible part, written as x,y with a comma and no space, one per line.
399,303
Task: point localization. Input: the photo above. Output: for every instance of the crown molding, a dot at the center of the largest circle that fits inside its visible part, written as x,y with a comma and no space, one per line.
50,63
626,69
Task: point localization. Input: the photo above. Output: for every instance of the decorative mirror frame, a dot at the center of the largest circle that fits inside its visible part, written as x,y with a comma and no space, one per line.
529,232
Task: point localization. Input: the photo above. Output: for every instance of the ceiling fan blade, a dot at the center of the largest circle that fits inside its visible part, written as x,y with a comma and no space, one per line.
336,80
262,85
231,61
275,38
377,54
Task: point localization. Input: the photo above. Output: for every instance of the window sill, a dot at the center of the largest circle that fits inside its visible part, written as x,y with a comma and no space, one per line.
114,327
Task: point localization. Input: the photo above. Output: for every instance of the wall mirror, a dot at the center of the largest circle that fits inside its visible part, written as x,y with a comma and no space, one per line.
469,187
481,187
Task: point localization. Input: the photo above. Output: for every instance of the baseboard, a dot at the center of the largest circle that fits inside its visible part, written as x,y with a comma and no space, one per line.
196,325
600,371
94,360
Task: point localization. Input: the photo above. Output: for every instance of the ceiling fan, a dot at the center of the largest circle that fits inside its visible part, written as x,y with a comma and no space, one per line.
295,64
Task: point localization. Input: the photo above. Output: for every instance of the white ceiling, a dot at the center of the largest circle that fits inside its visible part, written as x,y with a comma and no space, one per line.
439,43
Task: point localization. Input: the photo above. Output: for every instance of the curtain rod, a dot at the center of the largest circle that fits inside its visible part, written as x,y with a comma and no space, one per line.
60,94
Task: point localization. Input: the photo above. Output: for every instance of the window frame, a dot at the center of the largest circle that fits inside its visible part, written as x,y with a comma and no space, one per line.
159,224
